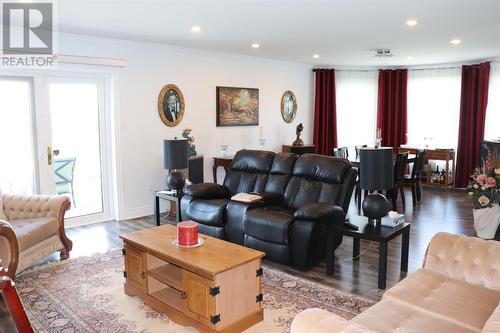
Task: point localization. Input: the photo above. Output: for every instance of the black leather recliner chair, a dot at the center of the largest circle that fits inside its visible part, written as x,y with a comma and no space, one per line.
303,197
315,201
206,203
280,173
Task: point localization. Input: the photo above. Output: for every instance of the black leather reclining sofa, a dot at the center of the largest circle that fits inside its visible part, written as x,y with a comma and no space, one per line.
303,197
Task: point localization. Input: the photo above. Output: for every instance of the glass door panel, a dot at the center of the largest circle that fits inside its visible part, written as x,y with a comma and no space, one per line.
17,161
74,106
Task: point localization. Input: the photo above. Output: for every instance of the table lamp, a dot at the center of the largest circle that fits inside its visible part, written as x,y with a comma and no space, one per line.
175,158
376,174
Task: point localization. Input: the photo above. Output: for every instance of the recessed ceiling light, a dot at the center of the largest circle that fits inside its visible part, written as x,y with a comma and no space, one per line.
195,28
410,58
411,23
255,45
315,56
455,41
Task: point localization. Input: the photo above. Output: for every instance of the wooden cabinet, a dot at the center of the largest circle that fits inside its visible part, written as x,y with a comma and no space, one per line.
199,304
447,155
135,268
214,288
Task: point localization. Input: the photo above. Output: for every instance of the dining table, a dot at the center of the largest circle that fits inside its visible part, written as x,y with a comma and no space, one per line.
355,162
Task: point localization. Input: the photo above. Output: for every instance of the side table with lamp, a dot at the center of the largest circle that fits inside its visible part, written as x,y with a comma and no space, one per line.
376,175
175,159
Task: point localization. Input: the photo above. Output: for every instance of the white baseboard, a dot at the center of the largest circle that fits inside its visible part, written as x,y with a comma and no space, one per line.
133,213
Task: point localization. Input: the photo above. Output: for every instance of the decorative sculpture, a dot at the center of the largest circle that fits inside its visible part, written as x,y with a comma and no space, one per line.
186,134
298,142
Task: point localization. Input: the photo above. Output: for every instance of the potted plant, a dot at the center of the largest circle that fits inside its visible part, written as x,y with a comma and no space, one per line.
484,188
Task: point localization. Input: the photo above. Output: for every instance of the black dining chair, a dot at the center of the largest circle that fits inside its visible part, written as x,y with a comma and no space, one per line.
415,179
357,191
358,148
399,175
341,152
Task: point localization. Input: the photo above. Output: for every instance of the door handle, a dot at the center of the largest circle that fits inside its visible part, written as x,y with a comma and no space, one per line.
51,152
49,156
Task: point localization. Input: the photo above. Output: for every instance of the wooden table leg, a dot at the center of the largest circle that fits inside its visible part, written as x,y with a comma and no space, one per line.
405,246
382,265
330,254
157,211
446,180
355,248
214,170
453,171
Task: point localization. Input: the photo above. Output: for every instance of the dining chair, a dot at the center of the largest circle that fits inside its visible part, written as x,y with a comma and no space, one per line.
358,148
64,170
415,179
399,175
357,191
341,152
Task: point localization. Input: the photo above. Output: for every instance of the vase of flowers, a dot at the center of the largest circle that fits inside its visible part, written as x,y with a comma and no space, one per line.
484,188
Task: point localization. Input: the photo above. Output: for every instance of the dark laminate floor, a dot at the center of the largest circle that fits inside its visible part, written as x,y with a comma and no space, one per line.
439,211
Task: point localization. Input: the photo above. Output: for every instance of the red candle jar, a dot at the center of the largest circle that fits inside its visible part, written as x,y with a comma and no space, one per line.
187,233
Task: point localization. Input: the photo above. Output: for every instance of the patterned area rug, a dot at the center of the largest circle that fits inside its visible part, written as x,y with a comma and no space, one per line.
86,295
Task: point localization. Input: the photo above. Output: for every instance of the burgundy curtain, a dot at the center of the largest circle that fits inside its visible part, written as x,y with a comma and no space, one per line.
391,108
473,101
325,113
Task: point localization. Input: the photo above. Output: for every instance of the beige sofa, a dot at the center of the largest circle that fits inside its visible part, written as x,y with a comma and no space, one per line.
456,291
31,228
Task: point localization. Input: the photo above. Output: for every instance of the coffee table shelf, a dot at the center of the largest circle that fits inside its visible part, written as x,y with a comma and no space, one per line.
167,275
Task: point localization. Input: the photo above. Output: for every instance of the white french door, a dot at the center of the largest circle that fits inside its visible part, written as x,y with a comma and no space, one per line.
64,124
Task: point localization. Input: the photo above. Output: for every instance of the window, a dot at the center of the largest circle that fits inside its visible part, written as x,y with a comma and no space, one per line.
434,107
356,108
17,169
492,128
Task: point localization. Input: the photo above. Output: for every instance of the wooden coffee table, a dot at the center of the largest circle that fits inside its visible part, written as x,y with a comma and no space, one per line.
215,287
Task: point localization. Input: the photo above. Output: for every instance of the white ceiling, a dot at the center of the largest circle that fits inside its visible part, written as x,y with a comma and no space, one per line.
343,32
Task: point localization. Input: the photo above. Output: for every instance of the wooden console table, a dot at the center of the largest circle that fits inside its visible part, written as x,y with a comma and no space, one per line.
299,150
214,288
437,155
224,162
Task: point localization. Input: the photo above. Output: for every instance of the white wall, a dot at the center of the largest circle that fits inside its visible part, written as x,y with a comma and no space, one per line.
196,73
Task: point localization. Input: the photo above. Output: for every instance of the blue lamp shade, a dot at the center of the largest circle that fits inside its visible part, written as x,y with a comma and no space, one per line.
376,168
175,154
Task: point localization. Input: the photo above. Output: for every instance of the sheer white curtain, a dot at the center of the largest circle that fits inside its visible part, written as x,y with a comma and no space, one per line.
434,107
492,127
356,108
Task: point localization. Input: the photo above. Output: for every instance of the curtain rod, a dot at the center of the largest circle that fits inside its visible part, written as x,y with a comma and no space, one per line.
417,68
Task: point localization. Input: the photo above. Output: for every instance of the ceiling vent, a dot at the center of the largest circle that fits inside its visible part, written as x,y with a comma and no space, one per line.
383,53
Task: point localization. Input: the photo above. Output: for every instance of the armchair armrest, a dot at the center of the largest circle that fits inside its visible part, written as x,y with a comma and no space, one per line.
9,249
320,211
206,191
33,206
271,198
464,258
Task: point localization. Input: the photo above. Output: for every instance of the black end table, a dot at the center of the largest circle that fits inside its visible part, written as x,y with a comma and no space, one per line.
169,197
379,234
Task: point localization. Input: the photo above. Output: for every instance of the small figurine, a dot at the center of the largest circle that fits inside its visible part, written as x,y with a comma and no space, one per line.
298,142
186,134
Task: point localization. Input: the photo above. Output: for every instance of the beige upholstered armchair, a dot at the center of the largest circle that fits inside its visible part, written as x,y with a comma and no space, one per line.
32,228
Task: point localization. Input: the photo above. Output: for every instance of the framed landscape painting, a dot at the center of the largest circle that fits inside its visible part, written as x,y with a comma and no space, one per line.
237,106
